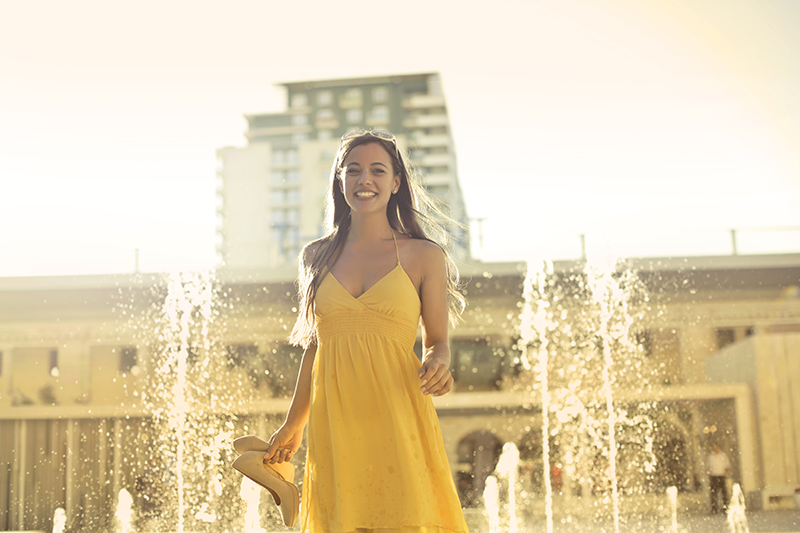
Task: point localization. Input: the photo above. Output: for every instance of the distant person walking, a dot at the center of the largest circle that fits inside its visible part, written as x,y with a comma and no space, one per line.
719,468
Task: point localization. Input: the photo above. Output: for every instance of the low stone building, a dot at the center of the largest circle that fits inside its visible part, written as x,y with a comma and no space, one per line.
138,382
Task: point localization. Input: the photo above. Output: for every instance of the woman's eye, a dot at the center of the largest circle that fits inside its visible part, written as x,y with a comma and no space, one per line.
378,171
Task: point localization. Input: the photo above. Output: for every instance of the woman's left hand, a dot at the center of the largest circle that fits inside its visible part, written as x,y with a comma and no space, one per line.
435,377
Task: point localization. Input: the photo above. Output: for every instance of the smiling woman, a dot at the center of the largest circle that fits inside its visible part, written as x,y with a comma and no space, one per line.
376,458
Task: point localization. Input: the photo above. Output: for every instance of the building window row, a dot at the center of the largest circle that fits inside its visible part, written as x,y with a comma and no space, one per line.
284,196
284,177
350,95
285,157
284,217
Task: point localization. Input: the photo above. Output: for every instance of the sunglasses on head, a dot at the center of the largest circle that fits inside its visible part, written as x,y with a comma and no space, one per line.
379,134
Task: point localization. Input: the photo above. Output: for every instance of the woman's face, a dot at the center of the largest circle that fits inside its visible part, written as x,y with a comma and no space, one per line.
367,178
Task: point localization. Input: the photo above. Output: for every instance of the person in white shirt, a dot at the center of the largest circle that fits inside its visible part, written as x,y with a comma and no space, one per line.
719,468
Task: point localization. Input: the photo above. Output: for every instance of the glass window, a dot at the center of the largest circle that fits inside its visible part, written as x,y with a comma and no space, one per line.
54,363
380,94
725,336
278,216
380,113
291,157
292,216
277,177
352,94
293,196
325,114
278,157
293,176
477,364
299,120
127,359
324,98
354,116
298,138
324,135
299,100
276,197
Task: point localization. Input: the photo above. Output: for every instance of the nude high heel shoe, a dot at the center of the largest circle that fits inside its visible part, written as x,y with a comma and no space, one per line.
277,478
250,442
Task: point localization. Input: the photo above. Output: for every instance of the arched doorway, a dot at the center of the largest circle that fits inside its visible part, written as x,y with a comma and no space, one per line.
477,458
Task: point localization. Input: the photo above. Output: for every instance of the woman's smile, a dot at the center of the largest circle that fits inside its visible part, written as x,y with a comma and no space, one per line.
368,177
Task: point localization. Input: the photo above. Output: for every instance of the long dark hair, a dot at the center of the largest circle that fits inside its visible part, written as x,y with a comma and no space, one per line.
411,211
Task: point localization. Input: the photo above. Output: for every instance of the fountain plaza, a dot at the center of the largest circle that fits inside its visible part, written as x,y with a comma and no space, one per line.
587,396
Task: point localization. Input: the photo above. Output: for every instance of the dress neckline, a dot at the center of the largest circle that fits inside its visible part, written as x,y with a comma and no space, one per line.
398,265
339,283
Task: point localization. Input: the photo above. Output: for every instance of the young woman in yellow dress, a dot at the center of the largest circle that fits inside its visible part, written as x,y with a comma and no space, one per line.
376,459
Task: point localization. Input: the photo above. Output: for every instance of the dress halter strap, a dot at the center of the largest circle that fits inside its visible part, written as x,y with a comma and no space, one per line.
396,249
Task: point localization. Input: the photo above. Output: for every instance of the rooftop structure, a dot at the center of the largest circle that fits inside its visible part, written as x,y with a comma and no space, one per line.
272,192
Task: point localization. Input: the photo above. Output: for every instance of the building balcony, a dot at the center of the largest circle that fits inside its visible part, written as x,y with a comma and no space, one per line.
351,103
439,178
299,110
433,160
378,121
326,124
426,121
423,101
428,141
278,130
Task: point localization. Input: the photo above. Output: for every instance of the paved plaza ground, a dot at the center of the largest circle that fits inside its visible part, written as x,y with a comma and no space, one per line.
783,521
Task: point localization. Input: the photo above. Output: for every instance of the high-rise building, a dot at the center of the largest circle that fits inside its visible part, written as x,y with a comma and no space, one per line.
272,192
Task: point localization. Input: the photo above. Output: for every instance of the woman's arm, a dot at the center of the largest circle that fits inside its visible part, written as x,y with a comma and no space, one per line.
287,440
289,436
434,373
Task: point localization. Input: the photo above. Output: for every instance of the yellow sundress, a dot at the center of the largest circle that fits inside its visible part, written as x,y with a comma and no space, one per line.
376,459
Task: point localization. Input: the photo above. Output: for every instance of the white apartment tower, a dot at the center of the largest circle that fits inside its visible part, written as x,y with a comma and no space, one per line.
271,193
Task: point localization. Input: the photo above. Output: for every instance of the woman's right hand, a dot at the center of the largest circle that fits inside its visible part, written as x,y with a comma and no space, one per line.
283,444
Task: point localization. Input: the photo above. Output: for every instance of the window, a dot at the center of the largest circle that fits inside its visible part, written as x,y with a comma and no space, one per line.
324,135
324,98
291,157
277,217
379,113
54,363
353,93
292,216
299,100
276,197
293,196
293,176
298,138
478,365
299,120
354,116
325,114
278,157
277,177
282,364
380,94
725,336
127,359
246,358
644,339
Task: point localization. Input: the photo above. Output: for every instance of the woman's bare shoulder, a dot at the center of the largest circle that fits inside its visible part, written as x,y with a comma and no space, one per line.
310,250
423,252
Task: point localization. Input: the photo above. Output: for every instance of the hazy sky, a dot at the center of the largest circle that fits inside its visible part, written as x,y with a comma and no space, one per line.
651,126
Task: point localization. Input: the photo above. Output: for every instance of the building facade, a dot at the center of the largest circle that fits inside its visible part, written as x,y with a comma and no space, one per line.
82,360
272,192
